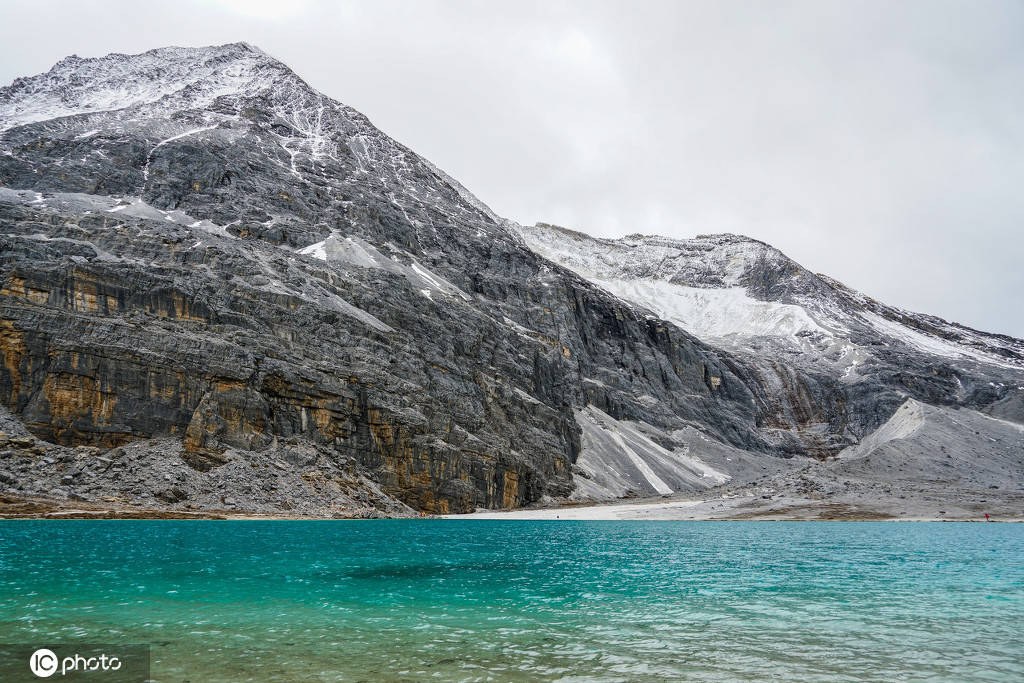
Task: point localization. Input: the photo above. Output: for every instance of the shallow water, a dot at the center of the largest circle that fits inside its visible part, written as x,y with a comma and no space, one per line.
526,600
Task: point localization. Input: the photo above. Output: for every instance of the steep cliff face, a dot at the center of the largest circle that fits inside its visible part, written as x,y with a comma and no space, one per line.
198,248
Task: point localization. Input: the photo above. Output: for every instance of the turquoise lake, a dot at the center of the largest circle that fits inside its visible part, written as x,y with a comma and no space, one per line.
526,600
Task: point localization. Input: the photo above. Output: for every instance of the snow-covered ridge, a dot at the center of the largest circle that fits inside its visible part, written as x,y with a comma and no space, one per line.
172,93
698,284
176,92
735,290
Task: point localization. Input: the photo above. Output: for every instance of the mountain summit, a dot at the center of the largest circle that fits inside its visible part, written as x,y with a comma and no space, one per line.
179,78
223,290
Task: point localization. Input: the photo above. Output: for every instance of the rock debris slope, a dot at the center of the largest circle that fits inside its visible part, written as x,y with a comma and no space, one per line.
256,300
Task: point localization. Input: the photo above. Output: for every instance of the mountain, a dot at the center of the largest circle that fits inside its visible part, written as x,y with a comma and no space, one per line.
223,290
747,297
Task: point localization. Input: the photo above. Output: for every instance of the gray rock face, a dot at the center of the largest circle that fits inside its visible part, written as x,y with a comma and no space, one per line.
197,246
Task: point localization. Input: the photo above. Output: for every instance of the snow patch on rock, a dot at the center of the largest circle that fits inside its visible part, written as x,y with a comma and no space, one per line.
714,313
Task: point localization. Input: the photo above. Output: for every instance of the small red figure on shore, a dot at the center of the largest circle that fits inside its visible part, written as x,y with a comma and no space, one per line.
986,516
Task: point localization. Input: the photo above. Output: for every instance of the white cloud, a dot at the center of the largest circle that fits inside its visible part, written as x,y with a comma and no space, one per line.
577,47
268,10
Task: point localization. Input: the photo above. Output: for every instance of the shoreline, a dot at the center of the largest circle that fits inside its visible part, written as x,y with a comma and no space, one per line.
726,510
666,509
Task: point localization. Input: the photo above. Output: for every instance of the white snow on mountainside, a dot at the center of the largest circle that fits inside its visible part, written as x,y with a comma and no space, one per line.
713,313
736,292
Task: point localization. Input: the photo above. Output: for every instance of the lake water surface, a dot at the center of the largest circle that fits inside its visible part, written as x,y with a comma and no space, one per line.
526,600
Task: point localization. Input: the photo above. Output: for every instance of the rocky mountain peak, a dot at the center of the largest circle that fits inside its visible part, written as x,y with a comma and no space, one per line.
136,127
181,75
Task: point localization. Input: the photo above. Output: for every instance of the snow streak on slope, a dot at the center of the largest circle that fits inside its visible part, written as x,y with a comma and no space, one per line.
927,343
354,251
619,459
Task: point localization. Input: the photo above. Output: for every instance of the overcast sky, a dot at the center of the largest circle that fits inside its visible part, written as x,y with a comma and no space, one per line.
880,142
